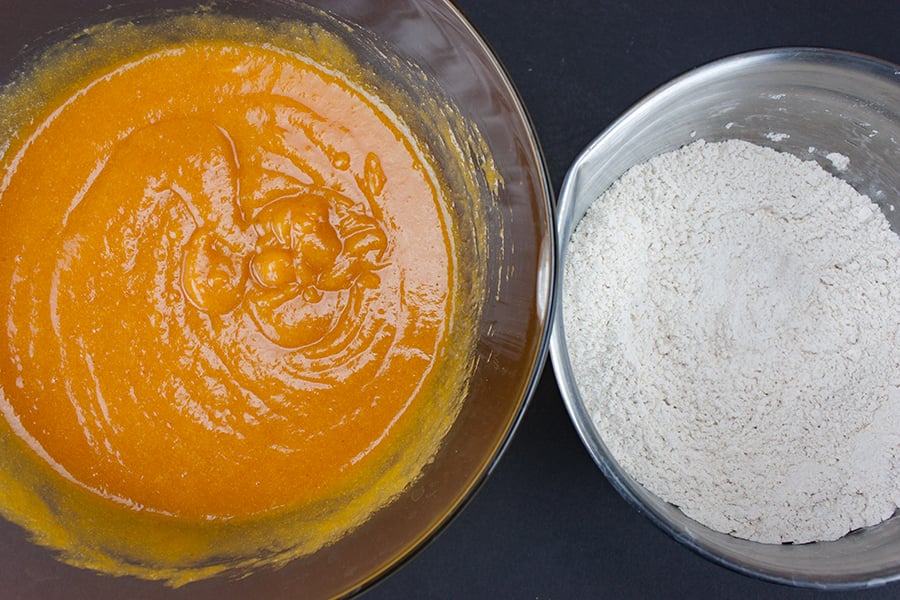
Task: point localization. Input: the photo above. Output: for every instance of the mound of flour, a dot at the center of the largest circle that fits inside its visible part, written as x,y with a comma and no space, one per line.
732,315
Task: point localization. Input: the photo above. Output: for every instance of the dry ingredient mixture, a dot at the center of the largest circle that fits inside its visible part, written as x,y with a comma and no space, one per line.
731,317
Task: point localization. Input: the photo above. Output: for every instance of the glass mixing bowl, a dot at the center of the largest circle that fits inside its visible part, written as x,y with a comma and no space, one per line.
512,331
810,103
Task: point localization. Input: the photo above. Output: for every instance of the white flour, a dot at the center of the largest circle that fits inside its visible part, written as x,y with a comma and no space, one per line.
733,319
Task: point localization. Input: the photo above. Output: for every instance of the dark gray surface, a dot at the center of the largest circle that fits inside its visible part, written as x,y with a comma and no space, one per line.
547,525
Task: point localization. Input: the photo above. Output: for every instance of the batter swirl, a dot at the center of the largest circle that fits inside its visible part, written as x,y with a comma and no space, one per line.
236,282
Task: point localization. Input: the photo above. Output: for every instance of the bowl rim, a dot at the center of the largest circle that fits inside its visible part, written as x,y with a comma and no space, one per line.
559,356
546,286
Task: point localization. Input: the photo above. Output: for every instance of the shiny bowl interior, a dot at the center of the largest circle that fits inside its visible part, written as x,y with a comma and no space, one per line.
512,332
808,102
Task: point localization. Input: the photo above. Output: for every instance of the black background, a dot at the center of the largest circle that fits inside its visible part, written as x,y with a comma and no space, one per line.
547,525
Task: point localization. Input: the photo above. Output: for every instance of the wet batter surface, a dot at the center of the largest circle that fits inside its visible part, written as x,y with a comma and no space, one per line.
241,268
227,281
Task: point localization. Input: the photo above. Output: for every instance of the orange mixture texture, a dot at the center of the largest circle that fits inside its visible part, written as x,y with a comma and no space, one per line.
225,277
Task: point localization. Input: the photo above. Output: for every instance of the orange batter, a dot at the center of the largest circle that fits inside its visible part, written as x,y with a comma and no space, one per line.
226,276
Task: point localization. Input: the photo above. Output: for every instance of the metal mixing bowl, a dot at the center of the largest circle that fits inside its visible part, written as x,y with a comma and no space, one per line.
810,103
512,332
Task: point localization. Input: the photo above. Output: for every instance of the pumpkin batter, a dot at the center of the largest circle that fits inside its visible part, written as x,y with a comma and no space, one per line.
228,279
